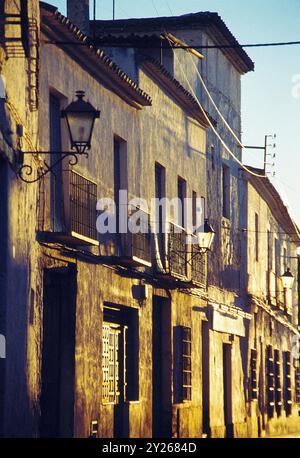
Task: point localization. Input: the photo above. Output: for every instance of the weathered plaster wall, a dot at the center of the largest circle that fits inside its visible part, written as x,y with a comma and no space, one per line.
162,133
265,330
19,408
98,285
258,270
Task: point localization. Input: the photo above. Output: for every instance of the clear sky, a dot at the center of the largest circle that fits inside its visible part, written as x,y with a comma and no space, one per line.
270,98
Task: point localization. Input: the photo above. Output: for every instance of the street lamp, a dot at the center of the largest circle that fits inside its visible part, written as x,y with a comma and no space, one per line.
80,117
287,279
206,238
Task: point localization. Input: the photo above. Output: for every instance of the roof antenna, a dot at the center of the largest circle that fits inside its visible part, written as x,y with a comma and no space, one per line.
114,9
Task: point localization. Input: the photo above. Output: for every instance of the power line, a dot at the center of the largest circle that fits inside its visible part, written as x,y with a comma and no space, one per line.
212,126
103,43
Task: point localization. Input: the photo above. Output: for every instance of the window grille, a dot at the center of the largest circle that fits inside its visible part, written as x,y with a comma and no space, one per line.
186,354
270,380
110,364
287,383
253,374
278,387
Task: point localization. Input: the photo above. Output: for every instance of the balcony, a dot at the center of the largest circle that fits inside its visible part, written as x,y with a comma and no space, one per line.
176,252
134,249
177,258
198,264
71,212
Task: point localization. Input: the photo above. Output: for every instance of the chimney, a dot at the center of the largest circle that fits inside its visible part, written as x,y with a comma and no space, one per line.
79,13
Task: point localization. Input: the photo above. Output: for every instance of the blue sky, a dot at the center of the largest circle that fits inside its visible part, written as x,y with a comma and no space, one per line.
268,103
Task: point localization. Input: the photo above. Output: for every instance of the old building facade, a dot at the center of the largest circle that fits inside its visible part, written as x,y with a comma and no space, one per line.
123,334
272,380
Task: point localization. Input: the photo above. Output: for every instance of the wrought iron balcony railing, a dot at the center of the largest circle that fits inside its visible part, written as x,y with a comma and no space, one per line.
80,204
135,247
198,263
68,214
177,251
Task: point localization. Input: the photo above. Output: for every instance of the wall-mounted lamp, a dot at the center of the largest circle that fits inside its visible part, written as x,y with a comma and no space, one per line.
206,238
287,279
80,117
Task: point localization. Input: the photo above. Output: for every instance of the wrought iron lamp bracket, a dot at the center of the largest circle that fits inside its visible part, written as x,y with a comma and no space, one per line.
26,170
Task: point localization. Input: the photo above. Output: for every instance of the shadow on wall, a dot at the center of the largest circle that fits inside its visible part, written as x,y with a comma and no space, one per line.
18,412
230,278
21,413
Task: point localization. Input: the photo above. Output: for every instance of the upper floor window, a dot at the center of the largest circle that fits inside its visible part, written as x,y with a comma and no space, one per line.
160,192
226,191
270,251
285,263
256,237
120,173
277,258
181,188
56,179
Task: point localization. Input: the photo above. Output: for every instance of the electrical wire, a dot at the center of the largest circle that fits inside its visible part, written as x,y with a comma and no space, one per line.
214,104
143,46
208,93
213,127
204,112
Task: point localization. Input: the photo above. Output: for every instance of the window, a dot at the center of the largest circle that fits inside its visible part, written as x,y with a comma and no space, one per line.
120,172
119,355
285,260
226,191
160,192
253,374
186,353
56,179
270,251
198,211
270,277
181,186
277,377
279,293
160,177
287,382
270,382
297,384
194,209
110,363
256,237
277,258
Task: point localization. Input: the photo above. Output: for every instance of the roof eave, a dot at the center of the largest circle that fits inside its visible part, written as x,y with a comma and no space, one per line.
61,29
272,197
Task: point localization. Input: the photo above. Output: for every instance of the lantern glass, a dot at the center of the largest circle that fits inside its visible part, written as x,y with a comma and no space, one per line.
287,280
80,128
206,238
80,117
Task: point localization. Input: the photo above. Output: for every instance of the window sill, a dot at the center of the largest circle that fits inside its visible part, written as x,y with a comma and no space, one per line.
183,404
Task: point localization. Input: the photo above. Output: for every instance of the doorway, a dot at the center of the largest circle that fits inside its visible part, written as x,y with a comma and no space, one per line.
58,353
227,386
161,368
205,378
120,363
